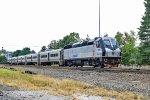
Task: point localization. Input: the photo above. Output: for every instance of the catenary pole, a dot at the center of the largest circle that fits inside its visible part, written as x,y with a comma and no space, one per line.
99,19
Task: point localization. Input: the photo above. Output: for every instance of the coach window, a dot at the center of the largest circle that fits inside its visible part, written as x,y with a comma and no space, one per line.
66,47
54,55
28,57
43,56
34,57
90,43
84,44
69,46
77,45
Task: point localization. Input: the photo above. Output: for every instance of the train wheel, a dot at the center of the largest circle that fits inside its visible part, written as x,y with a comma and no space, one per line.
70,63
90,62
102,65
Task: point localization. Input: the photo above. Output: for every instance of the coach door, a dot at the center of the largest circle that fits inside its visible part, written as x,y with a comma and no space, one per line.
61,57
38,59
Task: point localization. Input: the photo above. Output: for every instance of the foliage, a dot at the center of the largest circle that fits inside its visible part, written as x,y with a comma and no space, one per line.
144,34
3,51
33,52
3,59
24,51
68,39
130,53
43,48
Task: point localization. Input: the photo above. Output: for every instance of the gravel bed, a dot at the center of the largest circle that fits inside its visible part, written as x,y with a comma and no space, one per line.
9,93
133,82
30,95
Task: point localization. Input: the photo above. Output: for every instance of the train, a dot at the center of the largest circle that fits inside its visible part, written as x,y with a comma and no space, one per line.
100,51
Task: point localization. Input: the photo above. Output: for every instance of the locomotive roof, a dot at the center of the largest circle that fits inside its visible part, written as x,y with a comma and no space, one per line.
107,38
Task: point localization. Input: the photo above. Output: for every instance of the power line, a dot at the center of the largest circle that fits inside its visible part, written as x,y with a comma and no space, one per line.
21,46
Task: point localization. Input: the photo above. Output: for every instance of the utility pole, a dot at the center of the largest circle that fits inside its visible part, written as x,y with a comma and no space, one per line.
99,19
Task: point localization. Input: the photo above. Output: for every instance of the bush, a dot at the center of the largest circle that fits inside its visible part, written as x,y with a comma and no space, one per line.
3,59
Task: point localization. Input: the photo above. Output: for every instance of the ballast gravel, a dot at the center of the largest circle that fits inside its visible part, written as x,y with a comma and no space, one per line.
120,81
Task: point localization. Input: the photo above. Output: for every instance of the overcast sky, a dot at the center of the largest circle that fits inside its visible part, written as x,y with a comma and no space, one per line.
35,23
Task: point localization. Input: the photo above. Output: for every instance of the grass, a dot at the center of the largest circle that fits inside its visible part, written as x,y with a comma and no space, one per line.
59,87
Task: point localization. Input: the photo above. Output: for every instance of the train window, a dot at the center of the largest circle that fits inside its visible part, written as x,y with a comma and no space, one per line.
28,57
90,43
65,47
84,44
34,57
43,56
98,45
113,42
107,42
54,55
68,47
77,45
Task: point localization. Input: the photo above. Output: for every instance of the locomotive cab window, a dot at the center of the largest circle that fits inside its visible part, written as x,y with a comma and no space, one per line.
114,42
98,45
107,42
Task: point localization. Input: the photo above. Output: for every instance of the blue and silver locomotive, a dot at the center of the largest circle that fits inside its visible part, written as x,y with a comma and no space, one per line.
97,52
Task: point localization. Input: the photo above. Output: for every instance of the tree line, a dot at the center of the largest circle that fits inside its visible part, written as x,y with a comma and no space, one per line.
24,51
56,44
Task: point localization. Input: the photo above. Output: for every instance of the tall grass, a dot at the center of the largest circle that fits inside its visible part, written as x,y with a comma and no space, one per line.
59,86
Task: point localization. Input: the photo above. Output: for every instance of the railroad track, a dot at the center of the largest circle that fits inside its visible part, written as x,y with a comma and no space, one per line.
97,69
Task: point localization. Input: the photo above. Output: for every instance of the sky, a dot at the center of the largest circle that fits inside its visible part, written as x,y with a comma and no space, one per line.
34,23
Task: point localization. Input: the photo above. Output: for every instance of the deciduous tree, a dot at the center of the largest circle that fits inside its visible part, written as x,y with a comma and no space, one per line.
144,34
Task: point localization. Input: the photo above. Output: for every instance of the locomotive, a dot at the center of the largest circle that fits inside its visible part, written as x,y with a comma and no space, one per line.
100,51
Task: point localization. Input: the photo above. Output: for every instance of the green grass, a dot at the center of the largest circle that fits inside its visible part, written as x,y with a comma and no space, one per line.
59,87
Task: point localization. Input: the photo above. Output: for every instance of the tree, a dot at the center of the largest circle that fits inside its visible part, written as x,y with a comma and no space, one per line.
24,51
53,45
43,48
33,52
17,53
2,55
68,39
119,37
3,59
130,53
144,34
3,51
